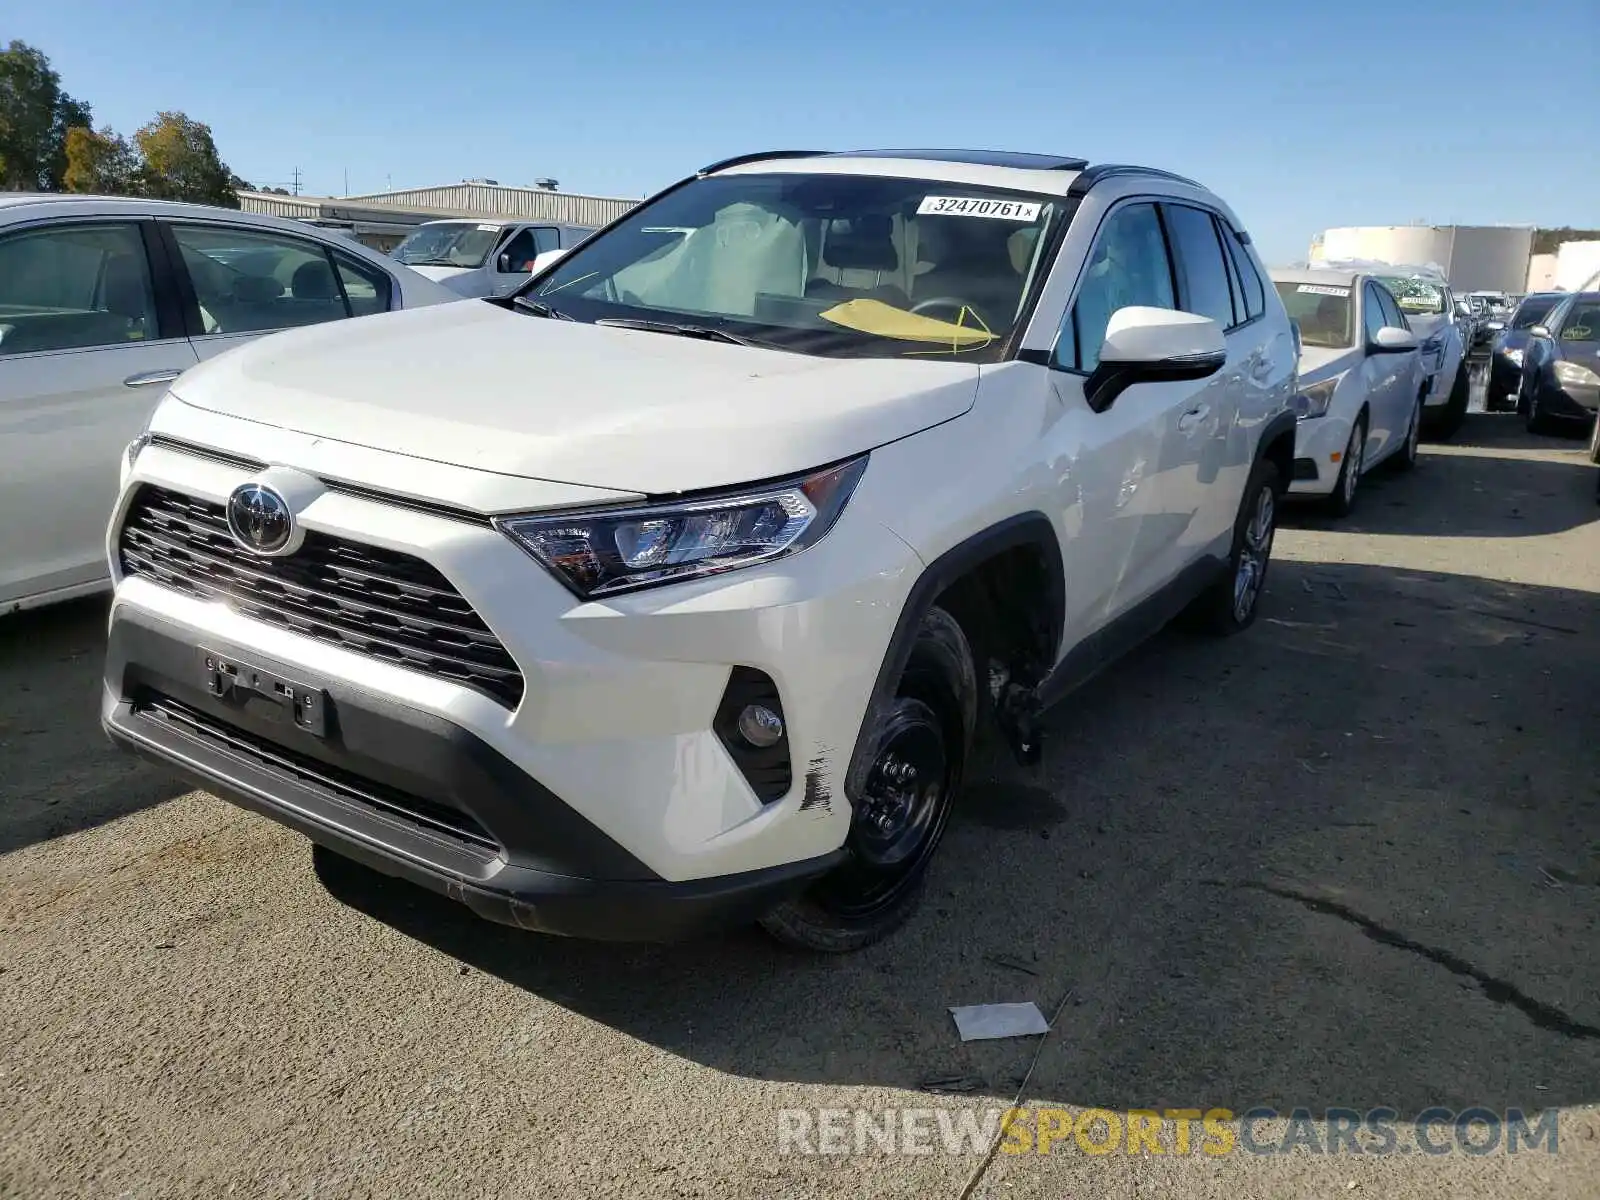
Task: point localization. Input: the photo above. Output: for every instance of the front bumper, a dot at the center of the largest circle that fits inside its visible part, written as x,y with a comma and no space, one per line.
412,796
1319,446
1569,401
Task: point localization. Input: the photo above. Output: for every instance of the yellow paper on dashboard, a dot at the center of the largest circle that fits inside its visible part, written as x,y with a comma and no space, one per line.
885,320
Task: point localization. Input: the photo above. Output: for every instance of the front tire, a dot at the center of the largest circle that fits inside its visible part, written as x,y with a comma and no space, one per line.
1342,501
1449,420
919,749
1594,441
1534,418
1406,460
1229,605
1496,397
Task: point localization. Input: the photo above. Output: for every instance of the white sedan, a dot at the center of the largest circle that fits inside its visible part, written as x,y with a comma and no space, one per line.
1362,381
103,303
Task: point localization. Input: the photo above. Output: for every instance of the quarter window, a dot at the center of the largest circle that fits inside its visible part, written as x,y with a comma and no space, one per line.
547,239
251,281
1255,294
1199,258
72,287
1128,266
1392,316
365,286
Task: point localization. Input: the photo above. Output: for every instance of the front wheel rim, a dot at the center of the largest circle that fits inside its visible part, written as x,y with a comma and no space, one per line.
1414,436
900,818
1255,550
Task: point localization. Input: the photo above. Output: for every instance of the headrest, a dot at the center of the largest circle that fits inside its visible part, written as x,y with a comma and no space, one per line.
123,287
256,289
863,243
313,281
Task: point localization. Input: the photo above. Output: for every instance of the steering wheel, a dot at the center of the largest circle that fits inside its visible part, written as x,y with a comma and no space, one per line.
939,302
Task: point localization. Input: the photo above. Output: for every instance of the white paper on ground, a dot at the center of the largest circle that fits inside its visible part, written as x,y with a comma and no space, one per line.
978,1022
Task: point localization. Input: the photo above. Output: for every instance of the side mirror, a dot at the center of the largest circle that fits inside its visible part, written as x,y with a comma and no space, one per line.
503,264
1153,345
1539,331
1391,339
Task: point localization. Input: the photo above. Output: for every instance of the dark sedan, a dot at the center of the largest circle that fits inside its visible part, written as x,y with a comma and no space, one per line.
1505,358
1561,367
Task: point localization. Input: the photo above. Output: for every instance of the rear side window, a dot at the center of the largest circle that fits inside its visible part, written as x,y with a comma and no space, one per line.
71,287
1202,271
547,239
1392,316
1255,292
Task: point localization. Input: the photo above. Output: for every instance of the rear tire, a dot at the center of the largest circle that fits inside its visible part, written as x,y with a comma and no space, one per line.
1594,441
1230,604
919,749
1342,500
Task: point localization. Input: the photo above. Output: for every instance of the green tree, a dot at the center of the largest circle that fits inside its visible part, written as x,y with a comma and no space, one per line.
35,115
179,161
100,163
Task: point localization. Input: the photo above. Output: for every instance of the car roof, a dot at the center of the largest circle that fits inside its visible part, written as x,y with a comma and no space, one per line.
1327,275
1051,174
16,206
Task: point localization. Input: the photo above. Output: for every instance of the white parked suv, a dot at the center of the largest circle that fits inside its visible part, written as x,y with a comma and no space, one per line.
483,258
672,592
1362,382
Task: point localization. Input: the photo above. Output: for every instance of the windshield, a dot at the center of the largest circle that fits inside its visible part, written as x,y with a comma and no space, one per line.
1532,310
838,265
448,244
1416,297
1321,310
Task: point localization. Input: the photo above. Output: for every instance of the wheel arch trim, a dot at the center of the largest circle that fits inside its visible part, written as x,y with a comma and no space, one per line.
1028,529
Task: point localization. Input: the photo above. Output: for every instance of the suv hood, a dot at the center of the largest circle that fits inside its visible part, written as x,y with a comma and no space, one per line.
440,274
480,386
1425,325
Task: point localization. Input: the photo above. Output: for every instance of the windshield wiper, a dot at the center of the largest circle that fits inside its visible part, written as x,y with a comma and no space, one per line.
538,308
708,333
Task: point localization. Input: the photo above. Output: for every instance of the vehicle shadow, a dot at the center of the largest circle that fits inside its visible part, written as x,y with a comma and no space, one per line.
60,774
1349,858
1482,483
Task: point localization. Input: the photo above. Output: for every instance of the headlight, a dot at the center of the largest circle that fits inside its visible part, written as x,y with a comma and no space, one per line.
1313,401
606,551
1576,373
1513,354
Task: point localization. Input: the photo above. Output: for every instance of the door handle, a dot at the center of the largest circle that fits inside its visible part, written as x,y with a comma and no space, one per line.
150,378
1193,417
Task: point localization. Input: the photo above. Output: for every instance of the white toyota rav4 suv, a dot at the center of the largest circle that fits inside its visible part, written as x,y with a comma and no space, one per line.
672,591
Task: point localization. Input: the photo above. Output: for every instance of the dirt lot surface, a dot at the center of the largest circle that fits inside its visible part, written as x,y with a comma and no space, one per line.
1349,859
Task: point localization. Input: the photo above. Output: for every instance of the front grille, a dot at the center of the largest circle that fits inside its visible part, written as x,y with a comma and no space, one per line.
377,602
439,818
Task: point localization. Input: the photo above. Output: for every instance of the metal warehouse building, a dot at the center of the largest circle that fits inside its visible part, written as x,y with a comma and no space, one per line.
1473,257
382,219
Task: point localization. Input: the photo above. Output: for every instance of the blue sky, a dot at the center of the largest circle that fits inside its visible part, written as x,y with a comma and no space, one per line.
1355,113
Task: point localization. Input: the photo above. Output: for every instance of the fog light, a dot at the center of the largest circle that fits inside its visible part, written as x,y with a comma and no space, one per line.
760,726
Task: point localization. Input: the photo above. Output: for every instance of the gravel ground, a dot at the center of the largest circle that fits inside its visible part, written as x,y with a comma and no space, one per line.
1349,859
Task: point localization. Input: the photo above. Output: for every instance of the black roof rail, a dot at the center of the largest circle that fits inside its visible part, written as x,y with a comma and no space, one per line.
982,158
741,159
1102,171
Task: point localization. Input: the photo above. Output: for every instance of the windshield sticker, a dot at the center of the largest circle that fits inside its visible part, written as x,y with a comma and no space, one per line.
967,206
1318,289
488,228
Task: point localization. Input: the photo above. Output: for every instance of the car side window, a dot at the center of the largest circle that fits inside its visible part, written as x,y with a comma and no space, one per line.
1203,274
1392,316
366,287
1372,314
1241,311
1255,292
253,281
1582,323
1128,266
547,239
73,287
521,250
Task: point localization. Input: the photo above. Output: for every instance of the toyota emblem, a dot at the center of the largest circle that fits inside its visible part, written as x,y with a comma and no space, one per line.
259,519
